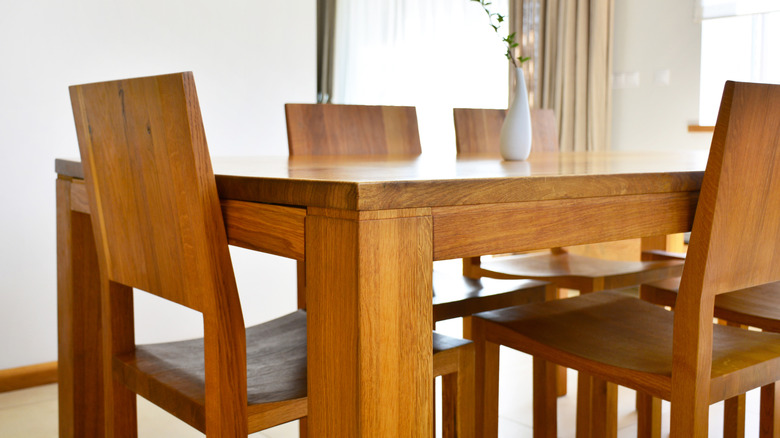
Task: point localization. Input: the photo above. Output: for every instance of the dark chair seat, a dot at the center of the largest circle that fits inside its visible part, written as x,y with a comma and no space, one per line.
626,340
568,270
755,307
455,295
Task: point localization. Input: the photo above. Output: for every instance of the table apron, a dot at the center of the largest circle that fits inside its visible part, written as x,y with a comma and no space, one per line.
468,231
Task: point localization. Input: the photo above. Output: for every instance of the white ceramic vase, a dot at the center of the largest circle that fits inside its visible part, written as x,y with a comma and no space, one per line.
516,130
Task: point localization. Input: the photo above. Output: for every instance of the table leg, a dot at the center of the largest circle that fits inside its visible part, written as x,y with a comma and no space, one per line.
368,278
78,321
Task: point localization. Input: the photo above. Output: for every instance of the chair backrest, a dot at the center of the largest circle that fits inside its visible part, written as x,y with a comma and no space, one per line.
330,129
477,130
152,191
735,241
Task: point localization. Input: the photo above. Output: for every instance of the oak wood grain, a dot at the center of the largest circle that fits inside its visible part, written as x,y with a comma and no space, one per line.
478,130
158,227
637,216
391,182
330,129
272,229
365,388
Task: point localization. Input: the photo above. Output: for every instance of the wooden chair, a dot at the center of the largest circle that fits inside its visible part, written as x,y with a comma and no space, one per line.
757,307
158,227
317,129
680,356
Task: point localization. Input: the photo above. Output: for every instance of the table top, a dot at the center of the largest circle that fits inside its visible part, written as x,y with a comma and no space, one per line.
391,182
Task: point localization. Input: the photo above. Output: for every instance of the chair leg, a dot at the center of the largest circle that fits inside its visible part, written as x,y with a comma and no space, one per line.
449,404
545,399
734,408
734,417
486,357
118,336
560,372
584,405
648,415
770,411
603,409
303,428
464,415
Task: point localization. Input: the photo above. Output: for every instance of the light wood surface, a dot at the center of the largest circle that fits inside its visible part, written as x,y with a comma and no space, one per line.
377,183
363,185
734,245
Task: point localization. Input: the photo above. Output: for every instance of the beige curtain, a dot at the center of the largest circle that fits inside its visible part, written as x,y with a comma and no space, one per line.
326,28
570,44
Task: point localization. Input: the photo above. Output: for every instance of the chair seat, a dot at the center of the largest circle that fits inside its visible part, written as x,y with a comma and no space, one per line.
456,296
443,342
756,306
276,369
628,341
616,274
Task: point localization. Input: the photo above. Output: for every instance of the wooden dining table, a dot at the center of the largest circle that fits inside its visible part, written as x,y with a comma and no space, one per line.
369,230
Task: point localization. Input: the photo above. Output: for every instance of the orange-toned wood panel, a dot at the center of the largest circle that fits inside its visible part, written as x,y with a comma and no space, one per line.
261,227
28,376
268,228
370,366
514,227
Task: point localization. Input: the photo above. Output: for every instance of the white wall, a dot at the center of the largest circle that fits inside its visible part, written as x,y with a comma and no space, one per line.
249,57
651,36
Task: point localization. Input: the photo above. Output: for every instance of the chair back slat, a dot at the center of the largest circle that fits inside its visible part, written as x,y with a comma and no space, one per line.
735,241
330,129
152,190
478,130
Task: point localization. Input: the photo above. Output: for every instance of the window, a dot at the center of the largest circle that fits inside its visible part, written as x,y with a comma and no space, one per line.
435,55
740,41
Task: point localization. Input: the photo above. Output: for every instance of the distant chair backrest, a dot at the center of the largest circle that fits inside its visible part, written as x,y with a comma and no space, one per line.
330,129
735,241
157,218
477,130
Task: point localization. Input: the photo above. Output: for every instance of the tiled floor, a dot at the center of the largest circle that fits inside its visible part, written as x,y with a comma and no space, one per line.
32,413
